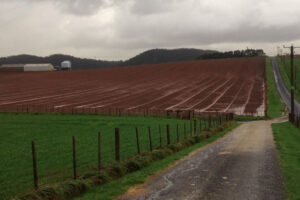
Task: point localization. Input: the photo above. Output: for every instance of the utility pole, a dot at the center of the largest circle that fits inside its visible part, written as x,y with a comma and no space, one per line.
292,114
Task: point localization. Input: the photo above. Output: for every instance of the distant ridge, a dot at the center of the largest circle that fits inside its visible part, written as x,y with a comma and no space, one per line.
154,56
148,57
56,59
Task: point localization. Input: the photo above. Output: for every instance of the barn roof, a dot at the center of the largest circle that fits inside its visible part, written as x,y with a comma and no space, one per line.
27,67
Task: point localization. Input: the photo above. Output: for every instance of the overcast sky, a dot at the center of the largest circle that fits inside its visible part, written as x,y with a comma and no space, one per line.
119,29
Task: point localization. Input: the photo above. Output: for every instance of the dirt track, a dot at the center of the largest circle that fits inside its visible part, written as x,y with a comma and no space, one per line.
224,85
241,165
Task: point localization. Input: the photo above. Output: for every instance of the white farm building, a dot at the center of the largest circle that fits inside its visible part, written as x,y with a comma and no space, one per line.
66,65
27,67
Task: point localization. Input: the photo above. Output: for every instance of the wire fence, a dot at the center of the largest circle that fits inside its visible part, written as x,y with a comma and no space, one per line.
62,157
178,113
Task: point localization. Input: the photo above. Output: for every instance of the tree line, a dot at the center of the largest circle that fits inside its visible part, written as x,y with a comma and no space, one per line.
233,54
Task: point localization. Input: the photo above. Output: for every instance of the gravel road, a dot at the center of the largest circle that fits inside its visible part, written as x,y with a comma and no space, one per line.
241,165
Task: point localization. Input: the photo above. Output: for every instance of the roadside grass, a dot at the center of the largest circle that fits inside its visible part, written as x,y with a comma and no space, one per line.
275,107
53,138
119,186
285,73
287,138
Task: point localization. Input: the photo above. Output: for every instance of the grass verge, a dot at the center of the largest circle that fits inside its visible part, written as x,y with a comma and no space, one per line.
119,186
275,107
287,138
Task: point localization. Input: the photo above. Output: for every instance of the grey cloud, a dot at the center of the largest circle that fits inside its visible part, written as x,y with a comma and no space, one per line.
82,7
122,26
147,7
75,7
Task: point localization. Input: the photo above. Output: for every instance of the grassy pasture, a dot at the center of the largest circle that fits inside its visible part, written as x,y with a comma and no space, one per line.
53,137
274,105
287,138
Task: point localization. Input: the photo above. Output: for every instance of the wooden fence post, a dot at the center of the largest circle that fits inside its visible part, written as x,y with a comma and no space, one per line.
177,132
137,140
74,157
168,134
191,128
150,138
200,126
184,130
117,144
195,127
99,150
160,139
35,177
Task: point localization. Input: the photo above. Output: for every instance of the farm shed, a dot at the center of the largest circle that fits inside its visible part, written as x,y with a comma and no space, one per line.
26,67
38,67
66,65
12,68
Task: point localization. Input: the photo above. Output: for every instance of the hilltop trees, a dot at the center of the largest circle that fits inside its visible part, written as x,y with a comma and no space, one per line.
233,54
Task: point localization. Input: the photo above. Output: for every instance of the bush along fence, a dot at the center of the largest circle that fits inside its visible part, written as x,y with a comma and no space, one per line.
164,144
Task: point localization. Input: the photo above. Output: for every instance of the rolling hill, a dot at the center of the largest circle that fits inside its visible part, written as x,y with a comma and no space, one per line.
148,57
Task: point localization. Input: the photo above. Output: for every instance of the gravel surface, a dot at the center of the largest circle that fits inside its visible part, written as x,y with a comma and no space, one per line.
241,165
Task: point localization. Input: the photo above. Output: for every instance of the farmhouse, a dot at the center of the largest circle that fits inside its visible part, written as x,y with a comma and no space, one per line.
26,67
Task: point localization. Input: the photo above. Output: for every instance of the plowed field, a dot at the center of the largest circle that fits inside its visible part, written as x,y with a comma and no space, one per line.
223,85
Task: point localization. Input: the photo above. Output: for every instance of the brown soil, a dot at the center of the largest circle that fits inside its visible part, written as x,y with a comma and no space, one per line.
224,85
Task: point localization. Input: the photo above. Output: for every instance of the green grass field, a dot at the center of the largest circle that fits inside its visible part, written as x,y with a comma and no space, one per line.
274,104
53,137
110,191
287,138
285,70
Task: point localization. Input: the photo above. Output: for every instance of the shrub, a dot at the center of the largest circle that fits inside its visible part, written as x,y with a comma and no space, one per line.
100,178
47,193
30,196
197,138
143,161
116,170
132,165
220,128
97,178
192,141
205,134
89,175
175,147
159,154
186,143
72,188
